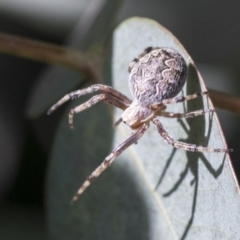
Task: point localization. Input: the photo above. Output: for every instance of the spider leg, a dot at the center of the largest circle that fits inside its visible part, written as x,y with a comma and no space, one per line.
183,98
110,158
95,99
95,87
177,115
162,105
185,146
185,115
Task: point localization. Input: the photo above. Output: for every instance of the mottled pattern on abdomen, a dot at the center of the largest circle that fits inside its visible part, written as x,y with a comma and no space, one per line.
157,74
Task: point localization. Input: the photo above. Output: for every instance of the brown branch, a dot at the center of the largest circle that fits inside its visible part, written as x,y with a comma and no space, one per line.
50,53
88,63
225,101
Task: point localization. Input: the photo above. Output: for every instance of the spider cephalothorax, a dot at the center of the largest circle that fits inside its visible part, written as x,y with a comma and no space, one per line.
156,77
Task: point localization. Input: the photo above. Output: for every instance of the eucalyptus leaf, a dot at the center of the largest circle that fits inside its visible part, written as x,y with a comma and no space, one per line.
151,191
91,32
190,195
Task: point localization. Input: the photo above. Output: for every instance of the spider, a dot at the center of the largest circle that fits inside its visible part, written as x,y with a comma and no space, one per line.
156,77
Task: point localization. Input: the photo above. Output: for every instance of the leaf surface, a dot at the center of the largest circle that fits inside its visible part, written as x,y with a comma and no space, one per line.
189,195
152,191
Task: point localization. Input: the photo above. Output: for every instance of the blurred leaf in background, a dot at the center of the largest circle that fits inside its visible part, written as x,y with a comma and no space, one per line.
92,32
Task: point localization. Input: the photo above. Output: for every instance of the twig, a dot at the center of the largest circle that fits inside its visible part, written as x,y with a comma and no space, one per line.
50,53
88,63
225,101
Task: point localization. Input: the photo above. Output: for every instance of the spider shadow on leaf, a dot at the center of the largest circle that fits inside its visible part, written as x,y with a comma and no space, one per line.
193,158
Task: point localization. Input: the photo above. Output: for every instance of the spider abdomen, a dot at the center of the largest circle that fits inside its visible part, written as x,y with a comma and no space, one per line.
157,74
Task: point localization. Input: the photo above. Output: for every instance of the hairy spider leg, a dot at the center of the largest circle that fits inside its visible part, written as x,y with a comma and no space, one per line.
110,158
94,88
177,100
95,99
183,98
182,145
187,114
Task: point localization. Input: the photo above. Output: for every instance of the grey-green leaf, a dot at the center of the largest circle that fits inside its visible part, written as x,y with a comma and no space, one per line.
152,191
190,195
